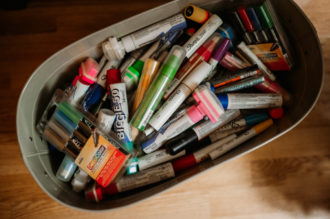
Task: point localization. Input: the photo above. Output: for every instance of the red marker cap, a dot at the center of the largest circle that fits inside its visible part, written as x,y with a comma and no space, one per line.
184,163
276,113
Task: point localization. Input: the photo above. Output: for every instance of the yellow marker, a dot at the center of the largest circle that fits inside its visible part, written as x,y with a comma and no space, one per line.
196,14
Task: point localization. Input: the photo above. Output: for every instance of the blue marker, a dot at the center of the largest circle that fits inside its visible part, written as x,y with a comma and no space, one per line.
256,23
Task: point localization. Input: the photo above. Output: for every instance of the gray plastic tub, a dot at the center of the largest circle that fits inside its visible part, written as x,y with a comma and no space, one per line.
304,83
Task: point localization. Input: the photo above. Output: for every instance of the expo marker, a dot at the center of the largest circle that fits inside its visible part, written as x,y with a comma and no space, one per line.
238,23
207,104
202,54
114,49
248,24
256,24
255,130
156,90
239,85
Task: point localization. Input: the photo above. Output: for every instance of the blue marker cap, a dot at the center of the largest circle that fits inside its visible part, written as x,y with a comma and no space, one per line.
223,98
256,118
64,121
93,96
254,18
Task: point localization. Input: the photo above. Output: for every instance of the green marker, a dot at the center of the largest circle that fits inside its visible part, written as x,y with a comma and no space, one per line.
157,89
266,21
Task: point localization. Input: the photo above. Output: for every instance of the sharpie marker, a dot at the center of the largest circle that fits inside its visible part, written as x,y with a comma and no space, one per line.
250,101
66,169
157,89
240,85
202,54
256,24
239,24
114,49
200,131
255,130
248,24
197,14
254,59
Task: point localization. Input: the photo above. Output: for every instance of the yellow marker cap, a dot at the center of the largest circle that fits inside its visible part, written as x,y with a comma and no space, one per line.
263,126
196,14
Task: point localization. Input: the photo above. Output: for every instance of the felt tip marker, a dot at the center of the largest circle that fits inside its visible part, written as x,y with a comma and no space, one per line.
255,130
116,49
256,24
240,85
267,22
196,14
219,134
250,100
202,54
157,89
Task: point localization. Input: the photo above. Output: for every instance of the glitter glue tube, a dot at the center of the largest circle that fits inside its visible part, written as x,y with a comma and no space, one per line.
254,59
157,89
229,77
207,105
66,169
203,33
197,14
87,75
130,60
97,90
116,49
202,54
105,120
132,76
256,24
239,24
240,85
200,131
248,24
195,158
270,86
250,101
255,130
149,71
126,183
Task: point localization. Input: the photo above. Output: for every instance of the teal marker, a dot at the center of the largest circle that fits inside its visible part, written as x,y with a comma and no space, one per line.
157,89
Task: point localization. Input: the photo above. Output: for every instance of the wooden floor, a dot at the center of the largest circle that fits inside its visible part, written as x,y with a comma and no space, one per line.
288,178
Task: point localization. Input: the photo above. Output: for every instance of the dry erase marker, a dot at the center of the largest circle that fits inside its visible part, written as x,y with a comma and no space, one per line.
240,85
202,54
200,131
116,49
241,28
140,179
250,100
66,169
197,14
157,89
133,56
248,24
256,24
254,59
255,130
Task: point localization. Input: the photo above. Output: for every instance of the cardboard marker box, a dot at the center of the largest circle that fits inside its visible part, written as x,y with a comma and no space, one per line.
60,67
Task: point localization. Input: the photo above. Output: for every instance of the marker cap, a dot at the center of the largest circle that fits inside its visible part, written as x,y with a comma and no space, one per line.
173,61
221,50
195,114
223,99
276,113
264,17
88,71
184,163
245,19
196,14
113,76
94,194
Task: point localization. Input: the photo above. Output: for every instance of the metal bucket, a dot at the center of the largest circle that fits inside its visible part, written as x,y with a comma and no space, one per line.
304,83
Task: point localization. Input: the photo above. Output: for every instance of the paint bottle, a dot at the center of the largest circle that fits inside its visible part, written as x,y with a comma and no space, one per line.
202,54
157,89
250,100
240,85
116,49
66,169
196,14
248,24
80,180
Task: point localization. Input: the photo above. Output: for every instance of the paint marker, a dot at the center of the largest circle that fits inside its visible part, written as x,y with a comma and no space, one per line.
255,60
130,60
255,130
248,24
149,72
195,158
116,49
157,89
207,105
235,18
126,183
105,120
202,54
256,24
200,131
197,14
240,85
80,180
66,169
98,89
87,75
229,77
250,101
203,33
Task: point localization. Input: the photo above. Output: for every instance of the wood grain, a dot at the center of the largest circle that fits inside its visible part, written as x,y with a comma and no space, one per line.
288,178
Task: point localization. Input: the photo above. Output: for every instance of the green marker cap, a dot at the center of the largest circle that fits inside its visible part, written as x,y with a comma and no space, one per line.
138,65
264,16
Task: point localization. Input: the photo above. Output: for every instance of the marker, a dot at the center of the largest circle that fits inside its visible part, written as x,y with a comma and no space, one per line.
232,63
256,24
97,90
255,130
207,105
241,28
116,49
130,60
250,101
105,120
126,183
157,89
202,54
166,42
66,169
240,85
200,131
80,180
87,76
248,24
227,31
197,14
149,72
203,33
229,77
220,134
254,59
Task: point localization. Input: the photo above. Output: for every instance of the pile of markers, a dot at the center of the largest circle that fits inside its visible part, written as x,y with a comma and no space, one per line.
167,97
